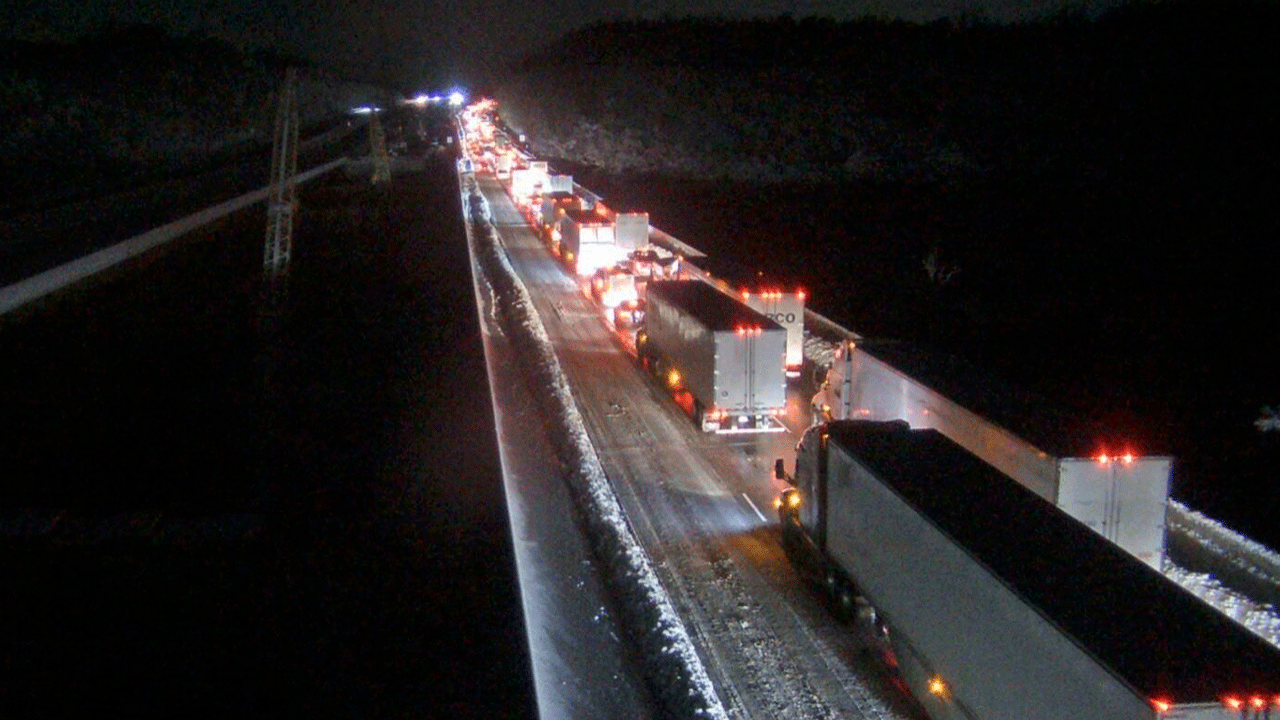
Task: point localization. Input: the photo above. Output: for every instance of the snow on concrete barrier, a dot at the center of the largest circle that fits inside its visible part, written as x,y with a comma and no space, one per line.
671,663
1248,555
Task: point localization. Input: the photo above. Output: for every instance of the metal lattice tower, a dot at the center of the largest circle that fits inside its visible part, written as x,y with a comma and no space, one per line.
282,191
378,143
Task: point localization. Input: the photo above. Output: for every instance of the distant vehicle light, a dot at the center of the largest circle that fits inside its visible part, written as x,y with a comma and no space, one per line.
673,378
1161,705
1103,459
1233,702
456,98
937,687
1127,459
793,499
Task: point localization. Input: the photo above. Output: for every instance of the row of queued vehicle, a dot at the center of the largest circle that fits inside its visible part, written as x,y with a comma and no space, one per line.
1006,559
724,353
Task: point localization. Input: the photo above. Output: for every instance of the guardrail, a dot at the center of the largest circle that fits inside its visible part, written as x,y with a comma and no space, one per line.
50,281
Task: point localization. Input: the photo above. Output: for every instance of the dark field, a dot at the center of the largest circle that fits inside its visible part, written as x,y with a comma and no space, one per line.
231,523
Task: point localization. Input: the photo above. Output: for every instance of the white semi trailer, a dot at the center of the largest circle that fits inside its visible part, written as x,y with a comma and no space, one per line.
526,183
786,309
632,230
768,298
503,165
559,184
1110,487
992,604
587,242
726,356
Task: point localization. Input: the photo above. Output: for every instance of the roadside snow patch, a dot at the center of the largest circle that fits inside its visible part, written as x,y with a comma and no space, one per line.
671,663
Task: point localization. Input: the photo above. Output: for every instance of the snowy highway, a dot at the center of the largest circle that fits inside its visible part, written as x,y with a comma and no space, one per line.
702,507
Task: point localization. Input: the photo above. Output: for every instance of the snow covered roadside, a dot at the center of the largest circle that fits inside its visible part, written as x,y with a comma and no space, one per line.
1260,619
1227,558
671,663
1252,557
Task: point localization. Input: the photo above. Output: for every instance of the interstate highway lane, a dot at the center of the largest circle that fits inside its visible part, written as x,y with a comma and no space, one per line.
702,507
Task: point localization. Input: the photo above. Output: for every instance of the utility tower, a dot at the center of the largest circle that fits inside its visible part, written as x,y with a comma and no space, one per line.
378,145
282,190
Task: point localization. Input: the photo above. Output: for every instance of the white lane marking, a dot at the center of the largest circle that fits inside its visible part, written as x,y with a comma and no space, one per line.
753,507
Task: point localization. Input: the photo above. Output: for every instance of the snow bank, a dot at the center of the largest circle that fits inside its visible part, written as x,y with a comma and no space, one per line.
673,669
1236,575
1261,619
1248,555
819,351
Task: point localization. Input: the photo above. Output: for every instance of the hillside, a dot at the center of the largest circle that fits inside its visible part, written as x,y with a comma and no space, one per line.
870,100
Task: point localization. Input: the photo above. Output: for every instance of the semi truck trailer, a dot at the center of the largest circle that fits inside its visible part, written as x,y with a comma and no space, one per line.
1101,481
724,355
761,294
587,242
991,603
786,309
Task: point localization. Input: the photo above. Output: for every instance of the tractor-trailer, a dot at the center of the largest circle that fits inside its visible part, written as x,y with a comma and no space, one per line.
526,182
558,184
554,205
586,242
1106,484
721,356
787,309
632,230
761,293
631,227
991,603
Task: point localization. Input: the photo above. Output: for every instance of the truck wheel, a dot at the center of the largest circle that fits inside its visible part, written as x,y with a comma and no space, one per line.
831,584
846,604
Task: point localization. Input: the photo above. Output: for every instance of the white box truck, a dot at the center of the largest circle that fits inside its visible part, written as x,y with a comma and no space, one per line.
726,357
587,243
1118,492
786,309
632,230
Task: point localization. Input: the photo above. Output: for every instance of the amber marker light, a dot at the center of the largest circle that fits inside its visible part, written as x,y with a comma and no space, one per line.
937,687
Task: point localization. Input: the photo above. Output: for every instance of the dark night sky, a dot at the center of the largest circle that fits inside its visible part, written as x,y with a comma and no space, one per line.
440,41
